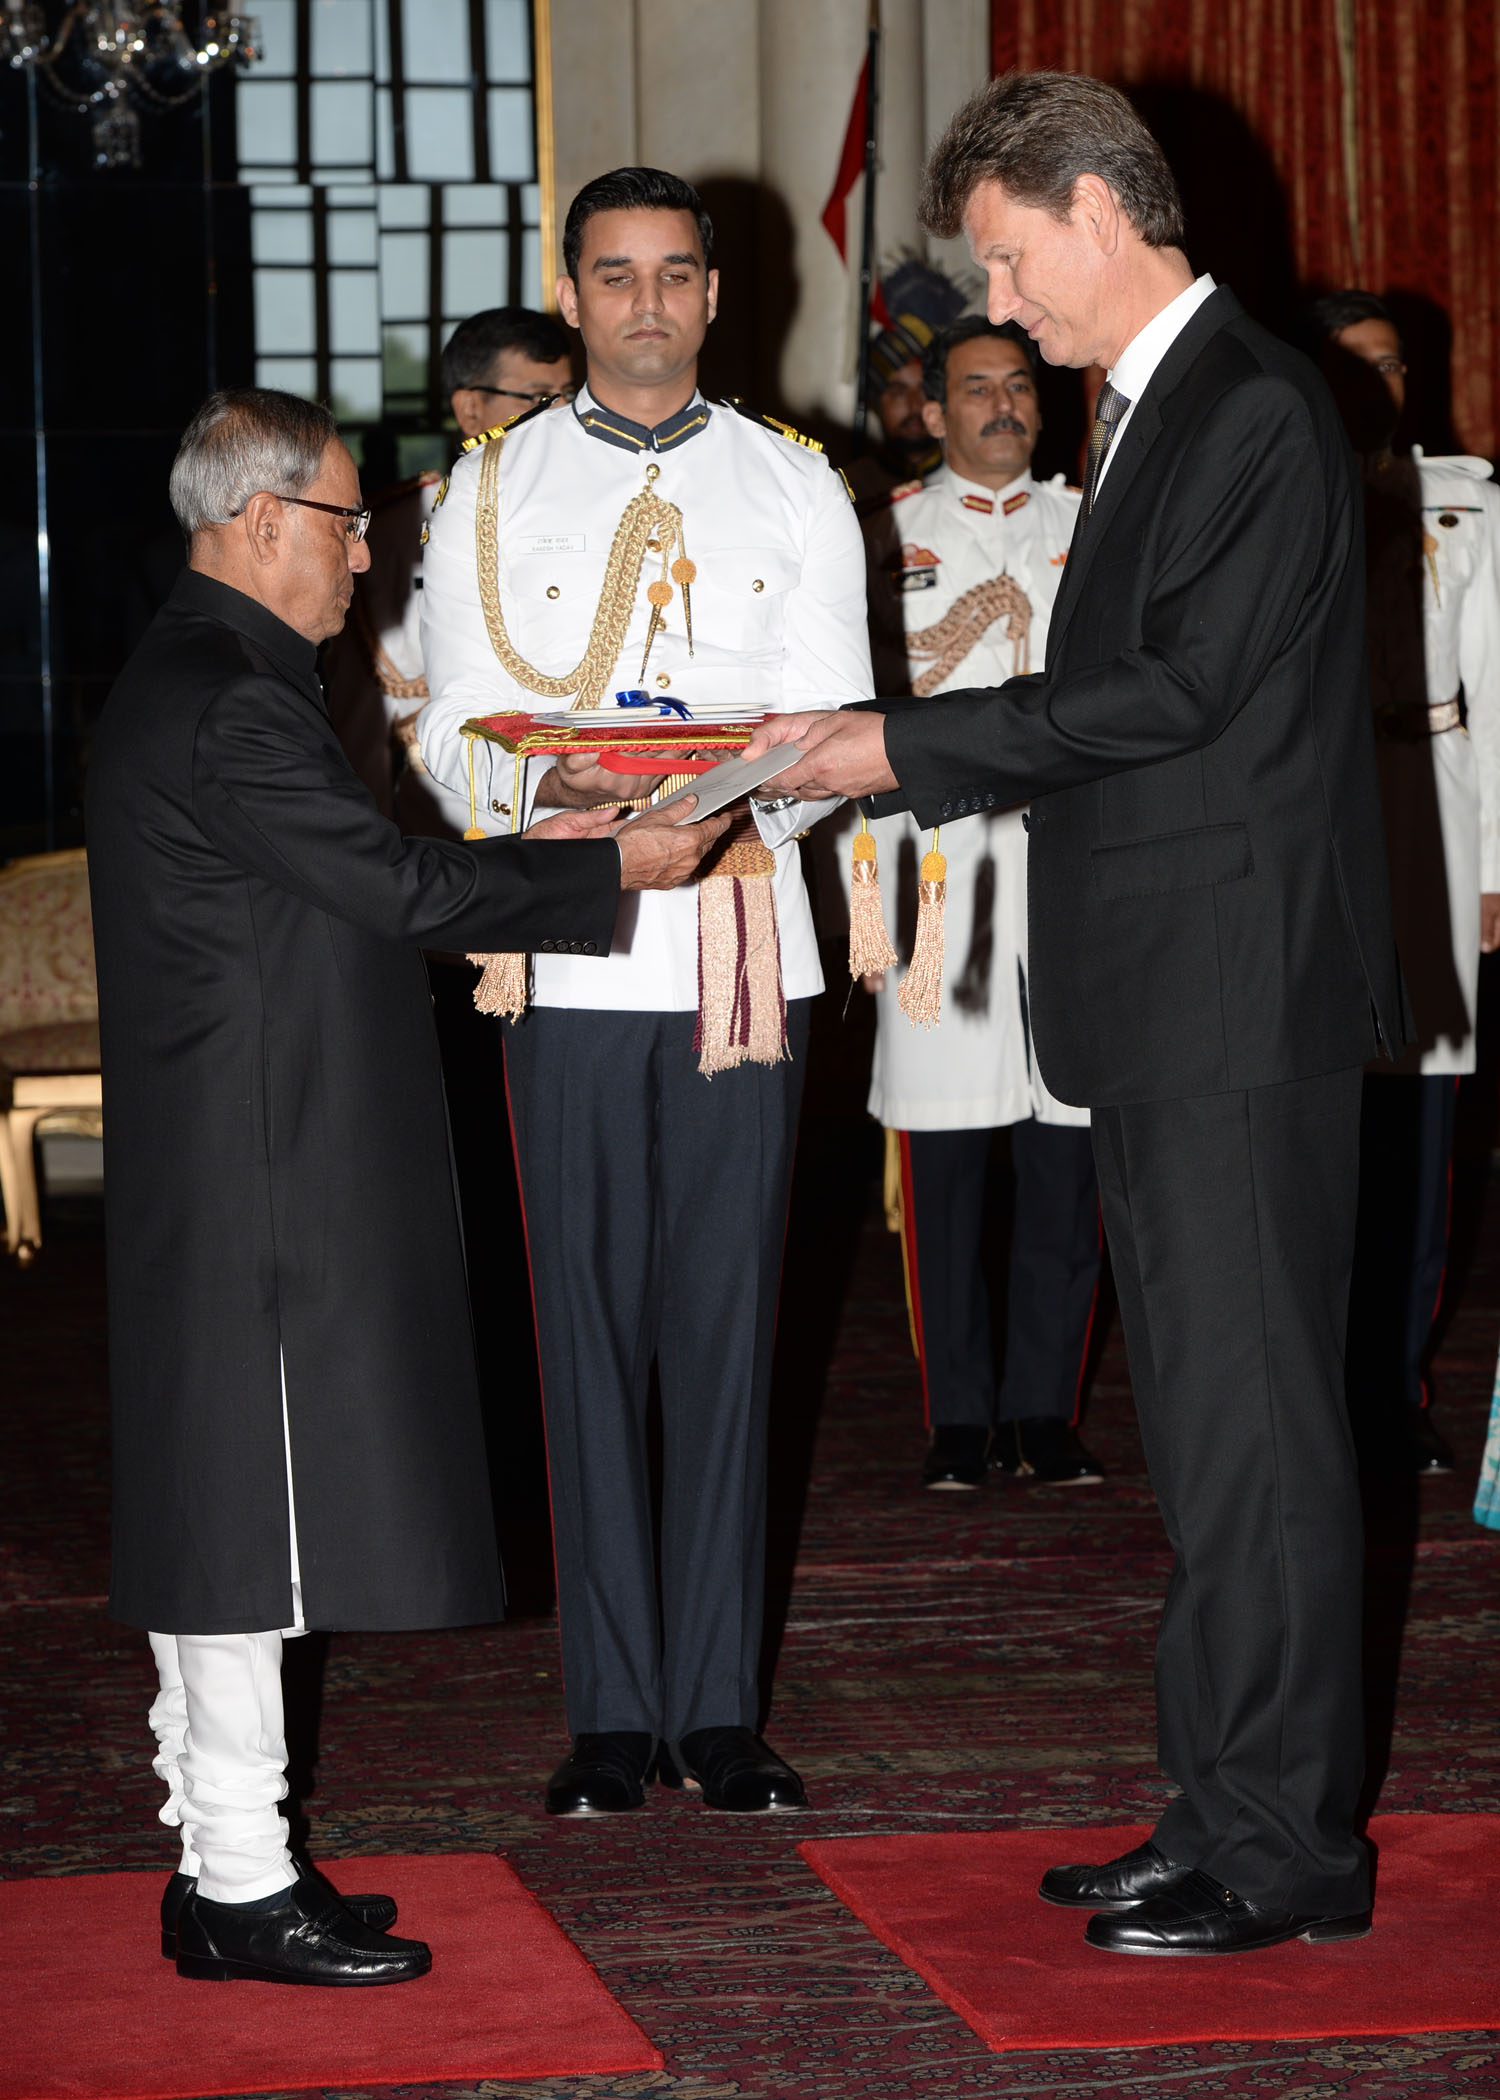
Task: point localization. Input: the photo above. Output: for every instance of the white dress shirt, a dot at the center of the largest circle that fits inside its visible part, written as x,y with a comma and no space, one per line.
1131,373
778,620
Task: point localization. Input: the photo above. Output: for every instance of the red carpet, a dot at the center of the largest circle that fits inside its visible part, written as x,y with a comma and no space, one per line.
963,1912
91,2009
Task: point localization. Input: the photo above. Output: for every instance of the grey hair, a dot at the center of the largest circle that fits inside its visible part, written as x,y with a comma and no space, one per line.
242,440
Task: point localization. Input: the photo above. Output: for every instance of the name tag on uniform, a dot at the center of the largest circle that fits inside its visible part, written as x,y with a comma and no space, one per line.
550,543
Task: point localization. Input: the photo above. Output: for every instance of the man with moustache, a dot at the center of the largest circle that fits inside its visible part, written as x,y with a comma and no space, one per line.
297,1442
963,572
654,1147
1211,966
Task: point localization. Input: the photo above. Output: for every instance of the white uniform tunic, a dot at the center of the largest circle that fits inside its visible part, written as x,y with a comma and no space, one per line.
778,620
1440,782
974,1070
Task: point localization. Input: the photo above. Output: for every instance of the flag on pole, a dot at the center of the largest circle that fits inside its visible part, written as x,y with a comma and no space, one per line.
851,165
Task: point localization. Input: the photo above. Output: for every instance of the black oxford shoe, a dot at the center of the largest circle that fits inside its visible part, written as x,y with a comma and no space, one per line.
1128,1879
602,1775
378,1912
1198,1915
956,1457
308,1937
735,1770
1428,1450
1046,1449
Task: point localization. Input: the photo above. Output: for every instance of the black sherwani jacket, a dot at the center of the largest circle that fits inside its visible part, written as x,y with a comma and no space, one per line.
278,1177
1209,902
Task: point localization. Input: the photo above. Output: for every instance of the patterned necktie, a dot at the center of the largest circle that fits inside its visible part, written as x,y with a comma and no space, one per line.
1108,410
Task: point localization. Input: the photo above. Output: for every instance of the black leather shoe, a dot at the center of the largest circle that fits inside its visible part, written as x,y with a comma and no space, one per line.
1429,1450
1198,1915
956,1457
308,1937
377,1912
1044,1448
734,1769
602,1775
1128,1879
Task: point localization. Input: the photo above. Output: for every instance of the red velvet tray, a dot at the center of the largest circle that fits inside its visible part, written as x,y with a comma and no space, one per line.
634,745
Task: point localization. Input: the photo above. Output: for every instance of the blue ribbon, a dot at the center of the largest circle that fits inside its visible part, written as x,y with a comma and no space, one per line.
638,697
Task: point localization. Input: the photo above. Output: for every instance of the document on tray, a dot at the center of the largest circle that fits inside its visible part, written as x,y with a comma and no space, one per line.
728,782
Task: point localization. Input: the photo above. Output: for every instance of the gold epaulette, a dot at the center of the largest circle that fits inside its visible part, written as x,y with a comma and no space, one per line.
501,430
753,415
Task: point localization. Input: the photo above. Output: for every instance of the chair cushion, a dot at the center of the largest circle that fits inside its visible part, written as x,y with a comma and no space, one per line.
52,1046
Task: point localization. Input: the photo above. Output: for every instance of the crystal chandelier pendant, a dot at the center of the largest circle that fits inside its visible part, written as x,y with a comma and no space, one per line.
116,133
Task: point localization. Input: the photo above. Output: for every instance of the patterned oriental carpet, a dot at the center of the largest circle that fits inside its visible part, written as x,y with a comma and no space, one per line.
942,1662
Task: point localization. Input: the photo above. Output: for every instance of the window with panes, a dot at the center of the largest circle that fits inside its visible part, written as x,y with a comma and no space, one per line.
389,149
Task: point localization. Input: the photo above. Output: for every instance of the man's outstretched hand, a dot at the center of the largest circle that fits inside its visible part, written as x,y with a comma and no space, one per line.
657,851
843,754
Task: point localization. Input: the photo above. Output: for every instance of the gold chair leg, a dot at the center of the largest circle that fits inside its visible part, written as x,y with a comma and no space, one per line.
24,1236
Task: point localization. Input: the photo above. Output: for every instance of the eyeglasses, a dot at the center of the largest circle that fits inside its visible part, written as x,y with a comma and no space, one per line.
359,520
562,393
1389,367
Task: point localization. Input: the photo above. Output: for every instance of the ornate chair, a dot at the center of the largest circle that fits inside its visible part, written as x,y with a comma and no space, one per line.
49,1026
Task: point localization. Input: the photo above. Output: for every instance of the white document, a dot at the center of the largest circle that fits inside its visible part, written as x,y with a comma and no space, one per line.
729,781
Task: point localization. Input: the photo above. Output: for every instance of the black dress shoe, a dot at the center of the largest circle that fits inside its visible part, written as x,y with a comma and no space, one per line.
1044,1448
956,1457
378,1912
308,1937
1429,1450
602,1775
1198,1915
1128,1879
734,1769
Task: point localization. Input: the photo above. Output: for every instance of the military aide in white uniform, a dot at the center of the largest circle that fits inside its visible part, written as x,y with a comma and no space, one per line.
1432,542
655,1196
963,572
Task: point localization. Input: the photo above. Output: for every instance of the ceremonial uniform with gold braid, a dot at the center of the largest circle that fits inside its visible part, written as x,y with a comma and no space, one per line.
655,1196
962,580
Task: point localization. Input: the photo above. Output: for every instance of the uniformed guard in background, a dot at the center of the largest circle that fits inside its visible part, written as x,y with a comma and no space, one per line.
496,365
1432,546
645,540
963,571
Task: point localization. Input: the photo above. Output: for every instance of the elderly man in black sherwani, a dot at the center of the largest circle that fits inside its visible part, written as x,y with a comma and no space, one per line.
296,1427
1212,963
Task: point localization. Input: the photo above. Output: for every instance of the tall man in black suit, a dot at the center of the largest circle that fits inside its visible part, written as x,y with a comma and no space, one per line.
1212,962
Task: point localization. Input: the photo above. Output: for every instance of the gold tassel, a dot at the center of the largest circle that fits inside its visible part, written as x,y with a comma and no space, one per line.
502,988
870,949
921,995
741,1005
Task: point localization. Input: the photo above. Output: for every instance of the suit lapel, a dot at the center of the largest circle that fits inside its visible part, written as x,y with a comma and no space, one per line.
1130,453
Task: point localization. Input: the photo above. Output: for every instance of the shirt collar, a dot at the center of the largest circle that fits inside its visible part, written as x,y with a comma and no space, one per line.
614,429
987,502
1131,374
233,608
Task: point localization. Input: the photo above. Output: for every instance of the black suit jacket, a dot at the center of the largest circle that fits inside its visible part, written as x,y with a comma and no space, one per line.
1210,906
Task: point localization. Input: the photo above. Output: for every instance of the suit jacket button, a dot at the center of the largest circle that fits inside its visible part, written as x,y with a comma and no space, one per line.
1026,820
591,948
546,947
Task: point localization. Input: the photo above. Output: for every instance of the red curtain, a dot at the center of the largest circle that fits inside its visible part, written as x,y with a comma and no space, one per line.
1321,143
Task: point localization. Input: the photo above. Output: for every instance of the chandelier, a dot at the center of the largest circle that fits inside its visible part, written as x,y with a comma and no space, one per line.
107,62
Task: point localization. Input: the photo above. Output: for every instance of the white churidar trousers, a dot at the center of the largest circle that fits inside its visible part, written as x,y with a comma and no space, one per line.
221,1746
